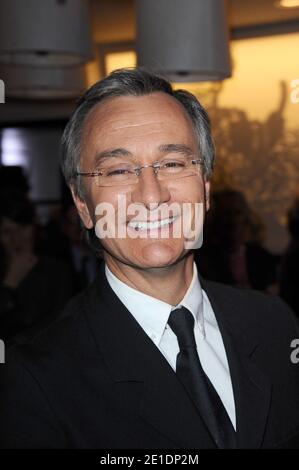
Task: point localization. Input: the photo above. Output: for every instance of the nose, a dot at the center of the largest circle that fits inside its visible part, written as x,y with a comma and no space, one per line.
149,191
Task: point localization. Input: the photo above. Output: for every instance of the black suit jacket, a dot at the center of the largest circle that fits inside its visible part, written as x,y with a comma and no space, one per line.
94,379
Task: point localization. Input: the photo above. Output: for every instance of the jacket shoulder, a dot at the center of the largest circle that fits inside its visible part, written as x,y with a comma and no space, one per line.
251,310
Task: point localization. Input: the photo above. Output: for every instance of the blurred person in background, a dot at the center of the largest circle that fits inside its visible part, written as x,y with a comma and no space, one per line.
63,238
232,252
289,275
13,177
32,287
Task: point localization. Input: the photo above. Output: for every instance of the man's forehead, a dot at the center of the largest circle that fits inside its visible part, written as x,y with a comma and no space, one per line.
138,124
135,111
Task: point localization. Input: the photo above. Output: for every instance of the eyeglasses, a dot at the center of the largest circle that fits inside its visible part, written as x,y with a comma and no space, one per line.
119,174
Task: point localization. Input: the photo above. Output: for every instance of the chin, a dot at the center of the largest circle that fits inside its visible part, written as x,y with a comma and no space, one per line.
158,254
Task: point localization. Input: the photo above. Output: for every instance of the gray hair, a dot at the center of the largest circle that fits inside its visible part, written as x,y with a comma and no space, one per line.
130,82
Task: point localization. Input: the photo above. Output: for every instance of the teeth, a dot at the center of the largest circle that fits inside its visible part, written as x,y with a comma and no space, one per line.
150,225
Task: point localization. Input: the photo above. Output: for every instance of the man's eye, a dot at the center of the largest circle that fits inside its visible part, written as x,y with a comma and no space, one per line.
174,165
118,172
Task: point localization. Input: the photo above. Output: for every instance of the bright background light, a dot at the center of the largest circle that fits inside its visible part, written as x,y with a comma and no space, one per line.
288,3
37,151
13,148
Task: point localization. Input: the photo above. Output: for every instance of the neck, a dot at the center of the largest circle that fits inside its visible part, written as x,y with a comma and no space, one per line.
169,283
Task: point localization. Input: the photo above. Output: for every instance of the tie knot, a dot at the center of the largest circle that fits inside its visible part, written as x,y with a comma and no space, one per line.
181,321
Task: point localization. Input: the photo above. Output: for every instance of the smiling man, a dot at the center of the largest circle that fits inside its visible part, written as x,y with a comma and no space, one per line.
150,355
128,132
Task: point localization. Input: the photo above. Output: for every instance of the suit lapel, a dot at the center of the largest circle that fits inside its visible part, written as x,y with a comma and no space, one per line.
168,408
131,356
252,389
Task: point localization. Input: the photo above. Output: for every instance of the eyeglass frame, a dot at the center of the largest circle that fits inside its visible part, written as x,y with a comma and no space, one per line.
156,167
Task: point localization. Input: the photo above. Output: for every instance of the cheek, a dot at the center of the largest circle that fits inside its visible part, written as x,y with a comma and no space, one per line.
187,190
109,210
107,196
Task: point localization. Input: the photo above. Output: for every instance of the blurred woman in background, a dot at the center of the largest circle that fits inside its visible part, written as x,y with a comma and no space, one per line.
33,288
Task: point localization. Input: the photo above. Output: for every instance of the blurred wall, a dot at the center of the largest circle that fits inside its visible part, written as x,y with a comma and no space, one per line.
256,128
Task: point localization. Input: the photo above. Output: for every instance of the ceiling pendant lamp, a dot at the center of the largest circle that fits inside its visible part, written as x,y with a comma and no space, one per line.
186,40
43,82
44,32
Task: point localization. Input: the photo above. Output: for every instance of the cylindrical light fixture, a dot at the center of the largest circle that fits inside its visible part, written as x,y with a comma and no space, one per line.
185,40
44,32
43,82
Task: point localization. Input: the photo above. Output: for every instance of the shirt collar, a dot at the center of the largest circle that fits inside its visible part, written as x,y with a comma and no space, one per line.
193,300
154,313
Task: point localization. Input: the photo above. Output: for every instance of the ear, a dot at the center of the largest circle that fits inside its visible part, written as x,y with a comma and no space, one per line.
207,186
82,209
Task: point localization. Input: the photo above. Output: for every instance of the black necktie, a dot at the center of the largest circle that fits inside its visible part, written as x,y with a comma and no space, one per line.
190,372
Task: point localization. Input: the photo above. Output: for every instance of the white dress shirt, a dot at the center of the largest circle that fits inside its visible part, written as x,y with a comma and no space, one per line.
152,315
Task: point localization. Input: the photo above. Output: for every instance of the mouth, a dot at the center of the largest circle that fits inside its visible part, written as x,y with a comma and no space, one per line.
139,226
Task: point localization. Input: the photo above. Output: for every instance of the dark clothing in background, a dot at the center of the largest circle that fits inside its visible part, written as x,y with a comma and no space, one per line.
46,289
81,261
289,276
214,264
94,379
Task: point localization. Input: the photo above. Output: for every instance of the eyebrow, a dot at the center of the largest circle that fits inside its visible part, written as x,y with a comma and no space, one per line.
176,148
163,148
118,152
